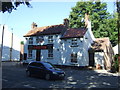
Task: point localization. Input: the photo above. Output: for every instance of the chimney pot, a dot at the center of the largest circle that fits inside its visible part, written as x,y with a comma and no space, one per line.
33,25
66,22
86,19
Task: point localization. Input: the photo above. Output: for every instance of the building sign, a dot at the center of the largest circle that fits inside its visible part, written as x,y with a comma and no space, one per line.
35,47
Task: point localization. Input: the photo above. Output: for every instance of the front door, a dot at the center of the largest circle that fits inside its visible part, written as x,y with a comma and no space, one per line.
38,55
91,59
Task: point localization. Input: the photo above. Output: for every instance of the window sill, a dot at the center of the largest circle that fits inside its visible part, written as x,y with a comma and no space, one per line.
50,58
74,45
74,64
30,58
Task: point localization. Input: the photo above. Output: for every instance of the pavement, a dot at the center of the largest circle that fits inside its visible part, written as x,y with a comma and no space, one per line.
13,76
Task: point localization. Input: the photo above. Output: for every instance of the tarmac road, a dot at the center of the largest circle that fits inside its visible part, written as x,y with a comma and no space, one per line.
13,76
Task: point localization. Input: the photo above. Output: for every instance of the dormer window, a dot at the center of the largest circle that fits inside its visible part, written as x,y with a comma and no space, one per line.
30,40
50,39
74,42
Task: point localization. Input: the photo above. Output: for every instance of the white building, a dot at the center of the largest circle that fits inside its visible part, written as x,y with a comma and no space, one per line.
115,48
11,45
60,45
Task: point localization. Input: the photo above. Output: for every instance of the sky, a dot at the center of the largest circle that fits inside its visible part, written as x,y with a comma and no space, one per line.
42,13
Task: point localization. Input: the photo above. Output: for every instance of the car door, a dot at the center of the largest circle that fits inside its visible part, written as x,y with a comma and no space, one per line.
32,68
40,69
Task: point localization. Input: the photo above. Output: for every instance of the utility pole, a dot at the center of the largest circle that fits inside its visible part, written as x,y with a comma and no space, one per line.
11,46
2,45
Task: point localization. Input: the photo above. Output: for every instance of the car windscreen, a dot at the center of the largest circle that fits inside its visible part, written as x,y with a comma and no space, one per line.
50,66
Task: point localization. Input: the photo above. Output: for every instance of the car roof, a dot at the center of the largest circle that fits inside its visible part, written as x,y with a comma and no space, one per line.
38,62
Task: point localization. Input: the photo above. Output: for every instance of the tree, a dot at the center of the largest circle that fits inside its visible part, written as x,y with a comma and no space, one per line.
9,5
101,20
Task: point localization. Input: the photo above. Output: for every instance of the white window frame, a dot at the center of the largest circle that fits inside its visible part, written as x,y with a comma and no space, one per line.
50,53
74,42
50,39
30,54
74,57
30,40
39,39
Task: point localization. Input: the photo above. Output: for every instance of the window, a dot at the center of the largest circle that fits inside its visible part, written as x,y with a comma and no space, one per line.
39,39
30,40
50,53
74,57
29,53
74,42
25,56
50,39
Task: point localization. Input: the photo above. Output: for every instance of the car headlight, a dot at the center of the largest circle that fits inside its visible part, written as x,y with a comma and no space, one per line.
54,73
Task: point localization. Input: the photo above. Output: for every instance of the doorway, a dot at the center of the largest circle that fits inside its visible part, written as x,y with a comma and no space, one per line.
91,59
38,55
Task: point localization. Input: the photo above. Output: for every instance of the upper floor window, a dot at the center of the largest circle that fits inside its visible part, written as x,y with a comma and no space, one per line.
50,39
39,39
74,42
30,40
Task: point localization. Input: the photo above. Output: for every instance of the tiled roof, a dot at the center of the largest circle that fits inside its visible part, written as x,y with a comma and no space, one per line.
74,33
100,44
47,30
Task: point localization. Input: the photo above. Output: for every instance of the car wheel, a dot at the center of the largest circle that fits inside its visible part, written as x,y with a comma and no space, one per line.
28,73
47,76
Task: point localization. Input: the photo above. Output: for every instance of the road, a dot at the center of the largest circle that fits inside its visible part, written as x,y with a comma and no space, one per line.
13,76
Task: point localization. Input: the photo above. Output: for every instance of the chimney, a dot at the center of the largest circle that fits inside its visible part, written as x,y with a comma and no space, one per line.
33,25
88,26
66,23
86,19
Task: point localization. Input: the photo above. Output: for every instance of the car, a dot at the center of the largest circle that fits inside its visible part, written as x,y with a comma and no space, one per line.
45,70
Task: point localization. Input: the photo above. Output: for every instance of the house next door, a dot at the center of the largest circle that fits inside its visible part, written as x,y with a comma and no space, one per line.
38,55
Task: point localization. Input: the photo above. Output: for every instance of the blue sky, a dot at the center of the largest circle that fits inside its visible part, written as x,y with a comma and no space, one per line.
42,13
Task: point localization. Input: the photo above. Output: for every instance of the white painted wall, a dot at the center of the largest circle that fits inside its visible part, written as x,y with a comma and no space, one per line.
99,58
7,45
62,49
115,49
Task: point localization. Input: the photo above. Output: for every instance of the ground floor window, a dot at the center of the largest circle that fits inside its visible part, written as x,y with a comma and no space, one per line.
29,53
50,53
74,57
25,56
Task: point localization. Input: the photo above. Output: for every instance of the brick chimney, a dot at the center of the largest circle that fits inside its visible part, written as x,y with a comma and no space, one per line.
86,20
33,25
66,23
88,26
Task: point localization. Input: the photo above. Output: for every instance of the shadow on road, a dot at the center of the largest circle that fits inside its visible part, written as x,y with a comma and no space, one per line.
13,76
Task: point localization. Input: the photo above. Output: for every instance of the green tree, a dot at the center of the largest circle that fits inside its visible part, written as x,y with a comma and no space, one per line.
9,5
101,20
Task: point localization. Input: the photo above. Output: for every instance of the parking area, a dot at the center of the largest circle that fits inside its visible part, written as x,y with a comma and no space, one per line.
14,76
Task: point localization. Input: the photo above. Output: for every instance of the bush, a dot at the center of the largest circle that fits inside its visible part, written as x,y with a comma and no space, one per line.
115,63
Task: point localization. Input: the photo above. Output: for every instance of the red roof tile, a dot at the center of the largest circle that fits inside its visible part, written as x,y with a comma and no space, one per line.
47,30
74,33
100,43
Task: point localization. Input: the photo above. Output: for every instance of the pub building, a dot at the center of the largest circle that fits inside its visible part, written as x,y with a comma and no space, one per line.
60,45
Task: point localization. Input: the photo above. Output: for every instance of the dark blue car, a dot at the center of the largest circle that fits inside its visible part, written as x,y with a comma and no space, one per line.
45,70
